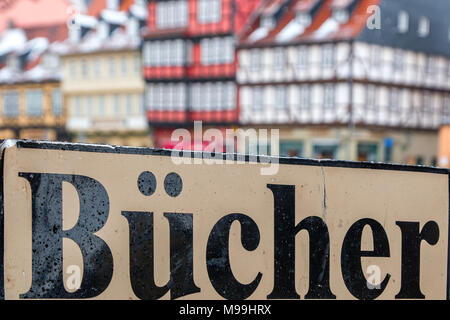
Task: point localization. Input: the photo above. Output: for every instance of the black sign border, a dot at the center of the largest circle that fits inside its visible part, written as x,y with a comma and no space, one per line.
97,148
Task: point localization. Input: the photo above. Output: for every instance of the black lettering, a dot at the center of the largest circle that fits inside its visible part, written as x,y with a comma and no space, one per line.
47,234
285,231
218,256
181,281
411,239
351,254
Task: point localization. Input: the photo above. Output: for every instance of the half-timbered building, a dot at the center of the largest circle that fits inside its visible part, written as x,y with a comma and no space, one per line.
190,64
348,79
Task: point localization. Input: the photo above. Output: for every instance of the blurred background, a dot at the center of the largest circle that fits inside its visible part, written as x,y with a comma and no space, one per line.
364,80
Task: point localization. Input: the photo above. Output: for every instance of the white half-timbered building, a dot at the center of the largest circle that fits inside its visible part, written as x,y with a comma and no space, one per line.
349,79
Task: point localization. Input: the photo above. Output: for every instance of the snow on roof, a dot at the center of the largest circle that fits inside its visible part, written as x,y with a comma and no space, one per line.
35,47
328,27
12,40
139,11
258,34
114,17
341,4
59,47
118,40
7,75
292,30
86,21
39,73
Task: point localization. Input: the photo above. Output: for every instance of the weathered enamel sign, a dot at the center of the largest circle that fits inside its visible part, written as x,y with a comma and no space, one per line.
102,222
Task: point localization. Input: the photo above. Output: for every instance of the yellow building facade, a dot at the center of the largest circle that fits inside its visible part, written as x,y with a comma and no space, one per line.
32,111
103,94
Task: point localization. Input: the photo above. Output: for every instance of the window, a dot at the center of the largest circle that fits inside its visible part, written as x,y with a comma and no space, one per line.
258,99
72,69
169,96
424,27
367,151
376,56
303,18
129,104
305,98
171,14
34,101
427,103
11,104
329,96
101,106
302,57
137,64
446,109
195,96
327,56
280,98
255,60
394,100
448,70
212,96
209,11
341,15
398,61
84,68
116,105
279,59
163,53
147,53
231,96
267,22
97,71
57,107
403,22
372,97
123,63
141,104
430,65
291,148
217,50
89,107
76,106
325,151
112,69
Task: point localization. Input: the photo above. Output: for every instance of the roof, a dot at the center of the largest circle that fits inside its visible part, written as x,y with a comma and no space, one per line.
56,32
437,11
306,5
324,26
28,54
95,7
33,13
119,40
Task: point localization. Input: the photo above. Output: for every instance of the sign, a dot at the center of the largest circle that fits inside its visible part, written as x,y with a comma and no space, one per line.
87,221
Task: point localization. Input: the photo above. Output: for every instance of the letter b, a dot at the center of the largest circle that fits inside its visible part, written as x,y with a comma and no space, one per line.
47,235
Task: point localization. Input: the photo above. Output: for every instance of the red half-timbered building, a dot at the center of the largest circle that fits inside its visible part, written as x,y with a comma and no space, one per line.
190,63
